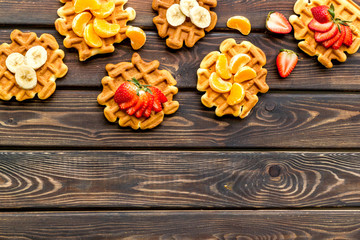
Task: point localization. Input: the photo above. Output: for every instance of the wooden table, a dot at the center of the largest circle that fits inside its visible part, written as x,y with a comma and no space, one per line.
290,170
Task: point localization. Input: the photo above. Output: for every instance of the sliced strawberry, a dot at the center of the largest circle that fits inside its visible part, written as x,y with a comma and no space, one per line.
159,98
321,14
146,101
286,62
132,110
348,40
132,102
277,23
320,37
340,41
320,27
150,105
125,92
328,43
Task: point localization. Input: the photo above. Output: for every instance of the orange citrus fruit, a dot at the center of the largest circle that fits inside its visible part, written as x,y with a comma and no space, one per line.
237,94
137,37
91,38
79,23
222,68
106,9
218,85
238,61
244,74
240,23
82,5
105,29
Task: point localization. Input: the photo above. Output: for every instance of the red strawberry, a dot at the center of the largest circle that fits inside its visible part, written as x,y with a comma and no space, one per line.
320,37
159,98
132,110
321,14
328,43
149,108
132,102
348,36
286,62
320,27
277,23
125,92
146,101
340,41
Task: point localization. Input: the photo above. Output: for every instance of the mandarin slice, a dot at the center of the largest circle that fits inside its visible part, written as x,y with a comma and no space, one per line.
106,9
237,94
82,5
238,61
79,23
91,38
137,37
218,84
244,74
105,29
222,68
239,23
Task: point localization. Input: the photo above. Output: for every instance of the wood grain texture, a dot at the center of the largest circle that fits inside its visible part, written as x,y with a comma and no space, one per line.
212,225
178,180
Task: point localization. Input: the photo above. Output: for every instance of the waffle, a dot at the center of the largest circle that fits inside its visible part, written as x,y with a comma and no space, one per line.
64,26
145,73
344,9
252,87
46,75
187,32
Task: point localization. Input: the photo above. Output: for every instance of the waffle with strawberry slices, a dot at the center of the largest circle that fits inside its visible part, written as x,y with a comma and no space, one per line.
318,43
148,76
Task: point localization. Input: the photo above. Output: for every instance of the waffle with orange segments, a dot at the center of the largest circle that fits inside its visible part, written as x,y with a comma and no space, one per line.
46,75
186,32
119,16
146,73
211,98
344,9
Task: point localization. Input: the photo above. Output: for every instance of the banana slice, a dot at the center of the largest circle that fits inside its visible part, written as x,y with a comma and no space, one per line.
174,16
187,5
200,16
25,77
14,60
36,57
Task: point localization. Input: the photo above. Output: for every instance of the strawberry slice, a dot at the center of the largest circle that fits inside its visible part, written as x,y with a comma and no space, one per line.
340,41
132,110
277,23
320,37
348,37
286,62
146,101
132,102
159,98
328,43
319,27
321,13
149,108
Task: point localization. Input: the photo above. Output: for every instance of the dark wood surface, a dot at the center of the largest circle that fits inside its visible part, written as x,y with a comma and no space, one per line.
290,170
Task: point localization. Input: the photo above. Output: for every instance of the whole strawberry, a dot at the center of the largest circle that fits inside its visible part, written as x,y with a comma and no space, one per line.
321,14
125,92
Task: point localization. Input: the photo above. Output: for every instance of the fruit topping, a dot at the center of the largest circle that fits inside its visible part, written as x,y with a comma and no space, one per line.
25,77
222,68
320,37
200,17
237,94
14,60
218,84
79,23
328,43
159,98
36,57
137,37
91,38
277,23
340,40
320,27
348,36
321,14
238,61
187,5
105,29
175,16
106,9
286,62
240,23
82,5
244,74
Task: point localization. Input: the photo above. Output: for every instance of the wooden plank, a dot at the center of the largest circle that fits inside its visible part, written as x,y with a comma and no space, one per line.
178,180
184,63
330,224
279,120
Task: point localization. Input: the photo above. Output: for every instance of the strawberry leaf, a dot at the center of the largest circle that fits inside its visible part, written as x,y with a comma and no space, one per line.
331,10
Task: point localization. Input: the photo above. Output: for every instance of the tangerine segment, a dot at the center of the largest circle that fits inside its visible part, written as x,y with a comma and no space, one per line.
82,5
105,29
237,94
238,61
106,9
244,74
79,23
218,85
137,37
222,68
240,23
91,38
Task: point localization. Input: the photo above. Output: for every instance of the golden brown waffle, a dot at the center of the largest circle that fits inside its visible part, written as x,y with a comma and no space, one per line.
344,9
145,73
64,26
252,87
187,32
46,75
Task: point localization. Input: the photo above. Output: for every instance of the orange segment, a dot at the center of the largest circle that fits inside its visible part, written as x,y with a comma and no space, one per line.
244,74
137,37
219,85
106,9
105,29
238,61
237,94
240,23
222,68
79,23
82,5
91,38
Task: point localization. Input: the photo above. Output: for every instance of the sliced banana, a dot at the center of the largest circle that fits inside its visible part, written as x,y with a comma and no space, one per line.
174,16
200,16
187,5
14,60
25,77
36,57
